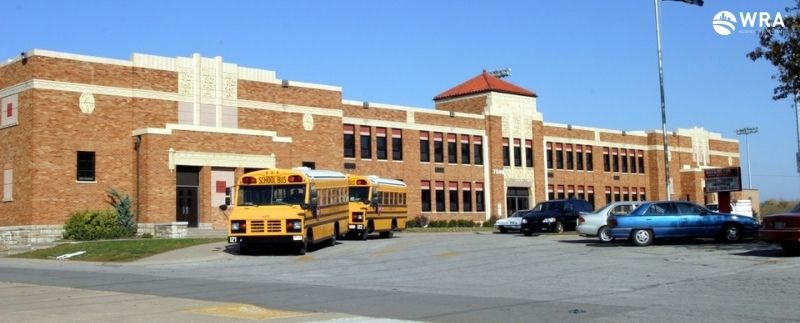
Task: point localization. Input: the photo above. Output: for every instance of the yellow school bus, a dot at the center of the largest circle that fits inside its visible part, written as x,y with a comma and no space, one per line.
376,205
295,207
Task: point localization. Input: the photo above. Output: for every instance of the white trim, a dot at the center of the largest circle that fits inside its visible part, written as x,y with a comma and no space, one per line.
612,131
185,127
411,126
360,104
309,85
289,108
195,158
613,144
78,57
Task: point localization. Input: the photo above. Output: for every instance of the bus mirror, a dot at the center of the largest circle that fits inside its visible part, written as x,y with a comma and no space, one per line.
227,200
223,207
375,201
365,201
228,191
314,201
305,206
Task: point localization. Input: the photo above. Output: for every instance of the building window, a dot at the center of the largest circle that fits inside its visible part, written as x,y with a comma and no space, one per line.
632,154
8,185
349,141
366,142
86,166
642,196
380,143
625,196
425,188
452,146
608,195
615,159
606,160
589,159
424,147
579,157
477,143
624,159
465,151
506,153
549,155
397,144
453,192
590,197
440,196
466,196
9,111
517,153
529,153
309,164
634,194
438,147
560,191
617,197
640,154
559,156
479,199
570,158
551,195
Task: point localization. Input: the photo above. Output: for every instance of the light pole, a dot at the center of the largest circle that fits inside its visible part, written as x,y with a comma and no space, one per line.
667,178
746,132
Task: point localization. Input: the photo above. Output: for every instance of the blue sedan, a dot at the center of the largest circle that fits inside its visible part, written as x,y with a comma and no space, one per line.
679,219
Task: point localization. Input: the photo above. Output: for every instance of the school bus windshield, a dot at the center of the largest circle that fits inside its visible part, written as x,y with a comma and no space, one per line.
271,195
359,194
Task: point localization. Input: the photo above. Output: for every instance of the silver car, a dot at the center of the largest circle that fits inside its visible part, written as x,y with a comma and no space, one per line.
512,223
594,224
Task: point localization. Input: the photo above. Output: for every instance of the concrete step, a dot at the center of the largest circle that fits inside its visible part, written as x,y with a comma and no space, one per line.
206,233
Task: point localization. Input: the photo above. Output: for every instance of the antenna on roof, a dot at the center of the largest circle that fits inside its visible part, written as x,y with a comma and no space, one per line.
501,73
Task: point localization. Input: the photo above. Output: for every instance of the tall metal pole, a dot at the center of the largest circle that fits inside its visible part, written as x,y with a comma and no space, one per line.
747,132
667,178
797,115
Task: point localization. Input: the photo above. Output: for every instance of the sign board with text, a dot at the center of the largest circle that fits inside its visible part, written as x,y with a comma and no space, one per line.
727,179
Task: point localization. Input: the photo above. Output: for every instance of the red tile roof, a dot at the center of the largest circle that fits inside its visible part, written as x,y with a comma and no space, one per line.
484,82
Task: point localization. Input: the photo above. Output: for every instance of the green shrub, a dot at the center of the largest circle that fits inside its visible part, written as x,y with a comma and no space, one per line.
147,235
418,222
93,225
122,205
490,223
452,224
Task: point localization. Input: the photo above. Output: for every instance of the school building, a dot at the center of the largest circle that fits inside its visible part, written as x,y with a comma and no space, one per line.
174,132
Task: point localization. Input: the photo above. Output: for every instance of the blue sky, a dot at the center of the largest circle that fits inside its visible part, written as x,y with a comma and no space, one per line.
592,63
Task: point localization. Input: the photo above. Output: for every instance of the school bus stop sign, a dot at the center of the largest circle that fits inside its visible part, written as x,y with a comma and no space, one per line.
727,179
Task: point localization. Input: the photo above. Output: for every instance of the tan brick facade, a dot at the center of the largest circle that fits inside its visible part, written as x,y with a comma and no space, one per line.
290,123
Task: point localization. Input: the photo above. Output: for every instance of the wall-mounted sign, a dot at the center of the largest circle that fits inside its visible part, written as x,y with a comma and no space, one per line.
727,179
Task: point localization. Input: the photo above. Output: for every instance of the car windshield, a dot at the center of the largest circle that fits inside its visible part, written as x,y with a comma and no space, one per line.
795,209
358,194
271,195
519,214
549,206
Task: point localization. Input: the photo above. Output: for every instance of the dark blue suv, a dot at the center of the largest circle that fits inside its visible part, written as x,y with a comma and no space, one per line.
554,216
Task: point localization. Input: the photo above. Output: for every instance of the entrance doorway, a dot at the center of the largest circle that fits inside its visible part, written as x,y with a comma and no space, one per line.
187,199
517,198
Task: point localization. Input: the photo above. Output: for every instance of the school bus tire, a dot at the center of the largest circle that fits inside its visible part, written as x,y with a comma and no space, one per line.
335,234
244,249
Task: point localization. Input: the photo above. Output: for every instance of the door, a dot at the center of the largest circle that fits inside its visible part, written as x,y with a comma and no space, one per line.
187,205
187,199
517,199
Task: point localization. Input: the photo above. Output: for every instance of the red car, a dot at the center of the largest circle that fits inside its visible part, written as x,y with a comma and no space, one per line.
784,229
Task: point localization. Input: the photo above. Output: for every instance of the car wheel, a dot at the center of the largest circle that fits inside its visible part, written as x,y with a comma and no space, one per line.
791,249
333,238
604,234
642,237
528,233
559,227
244,249
503,230
732,233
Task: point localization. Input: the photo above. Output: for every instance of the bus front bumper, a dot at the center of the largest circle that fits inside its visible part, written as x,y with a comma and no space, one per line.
254,240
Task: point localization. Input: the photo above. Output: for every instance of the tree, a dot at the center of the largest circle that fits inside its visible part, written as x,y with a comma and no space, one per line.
781,47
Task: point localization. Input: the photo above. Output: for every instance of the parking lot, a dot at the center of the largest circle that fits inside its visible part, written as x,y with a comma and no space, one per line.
466,277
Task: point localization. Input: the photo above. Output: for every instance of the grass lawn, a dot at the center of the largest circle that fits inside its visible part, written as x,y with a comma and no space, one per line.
116,250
